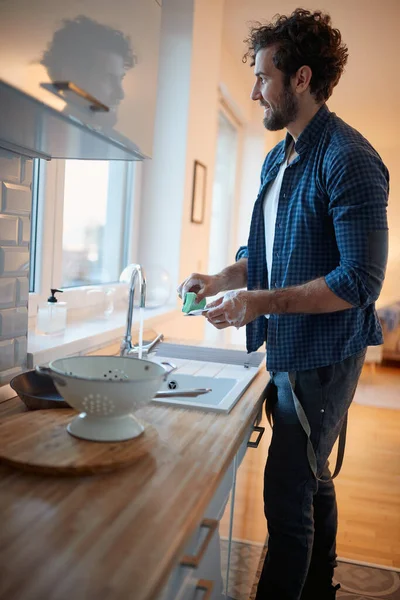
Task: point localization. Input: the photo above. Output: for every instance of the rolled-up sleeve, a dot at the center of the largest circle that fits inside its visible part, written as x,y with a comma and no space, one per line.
242,253
357,183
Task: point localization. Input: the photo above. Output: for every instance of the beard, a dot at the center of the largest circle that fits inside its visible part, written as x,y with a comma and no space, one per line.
284,113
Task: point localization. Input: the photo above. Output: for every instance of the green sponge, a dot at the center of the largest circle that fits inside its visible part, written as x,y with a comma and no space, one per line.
191,304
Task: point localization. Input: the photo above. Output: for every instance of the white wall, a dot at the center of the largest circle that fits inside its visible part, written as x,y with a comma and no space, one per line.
236,82
368,93
196,65
164,177
367,97
196,69
202,128
186,129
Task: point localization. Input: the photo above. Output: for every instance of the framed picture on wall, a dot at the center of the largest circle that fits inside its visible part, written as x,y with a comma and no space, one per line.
198,192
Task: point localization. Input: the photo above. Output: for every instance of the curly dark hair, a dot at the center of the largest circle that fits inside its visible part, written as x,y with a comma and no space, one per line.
303,38
72,41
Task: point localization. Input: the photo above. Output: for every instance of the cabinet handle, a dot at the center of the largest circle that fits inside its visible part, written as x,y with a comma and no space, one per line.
193,560
69,86
260,434
207,586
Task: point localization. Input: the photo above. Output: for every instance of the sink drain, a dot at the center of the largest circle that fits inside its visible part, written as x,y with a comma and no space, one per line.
172,385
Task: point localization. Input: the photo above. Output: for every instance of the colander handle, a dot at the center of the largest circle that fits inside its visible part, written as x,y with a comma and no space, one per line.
47,372
168,371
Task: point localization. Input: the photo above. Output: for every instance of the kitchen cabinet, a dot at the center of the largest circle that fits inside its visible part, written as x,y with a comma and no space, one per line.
92,62
125,532
244,555
200,570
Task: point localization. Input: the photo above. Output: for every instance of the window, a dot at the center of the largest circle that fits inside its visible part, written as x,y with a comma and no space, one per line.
82,222
92,251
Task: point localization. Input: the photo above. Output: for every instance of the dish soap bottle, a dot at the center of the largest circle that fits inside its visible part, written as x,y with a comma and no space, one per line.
52,317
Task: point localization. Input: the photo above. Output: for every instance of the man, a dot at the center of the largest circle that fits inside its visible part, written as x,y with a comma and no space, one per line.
314,266
93,56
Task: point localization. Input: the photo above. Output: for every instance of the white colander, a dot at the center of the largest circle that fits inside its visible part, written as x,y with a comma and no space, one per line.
106,390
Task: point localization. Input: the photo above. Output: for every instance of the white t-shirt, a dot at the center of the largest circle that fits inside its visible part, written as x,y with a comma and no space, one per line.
270,206
271,201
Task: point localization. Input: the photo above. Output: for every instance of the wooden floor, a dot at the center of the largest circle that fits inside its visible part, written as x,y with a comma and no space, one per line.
368,487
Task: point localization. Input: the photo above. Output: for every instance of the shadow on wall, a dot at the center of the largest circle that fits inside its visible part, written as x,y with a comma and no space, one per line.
95,58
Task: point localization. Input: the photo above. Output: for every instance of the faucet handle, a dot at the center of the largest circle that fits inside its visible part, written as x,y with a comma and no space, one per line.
154,343
128,350
125,347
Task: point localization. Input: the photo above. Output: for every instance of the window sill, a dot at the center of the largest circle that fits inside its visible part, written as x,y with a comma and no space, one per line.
88,335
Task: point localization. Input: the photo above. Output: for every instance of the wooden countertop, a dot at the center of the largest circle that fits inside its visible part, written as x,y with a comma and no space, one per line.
117,536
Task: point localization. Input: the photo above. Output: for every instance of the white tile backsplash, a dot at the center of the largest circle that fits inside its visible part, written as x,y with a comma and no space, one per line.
22,291
24,231
8,289
13,322
16,199
10,166
7,357
13,261
21,345
8,230
27,172
15,208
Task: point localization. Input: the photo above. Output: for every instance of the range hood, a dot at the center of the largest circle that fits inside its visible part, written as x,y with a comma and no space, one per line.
33,129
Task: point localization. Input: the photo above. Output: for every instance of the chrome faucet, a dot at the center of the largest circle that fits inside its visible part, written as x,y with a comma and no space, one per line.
130,275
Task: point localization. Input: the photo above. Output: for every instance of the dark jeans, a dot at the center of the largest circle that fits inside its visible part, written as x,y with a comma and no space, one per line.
300,509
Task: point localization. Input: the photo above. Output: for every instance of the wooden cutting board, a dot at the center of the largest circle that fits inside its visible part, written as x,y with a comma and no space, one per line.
39,442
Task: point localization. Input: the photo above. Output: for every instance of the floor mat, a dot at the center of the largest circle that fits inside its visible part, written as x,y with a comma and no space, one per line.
358,582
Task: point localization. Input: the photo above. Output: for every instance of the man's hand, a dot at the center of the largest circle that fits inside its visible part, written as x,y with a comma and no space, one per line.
230,278
202,285
235,309
241,307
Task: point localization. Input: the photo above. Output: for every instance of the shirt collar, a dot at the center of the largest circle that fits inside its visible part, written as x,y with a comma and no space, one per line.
284,150
310,134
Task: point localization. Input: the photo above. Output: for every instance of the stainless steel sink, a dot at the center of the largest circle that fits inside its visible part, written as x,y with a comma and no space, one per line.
227,372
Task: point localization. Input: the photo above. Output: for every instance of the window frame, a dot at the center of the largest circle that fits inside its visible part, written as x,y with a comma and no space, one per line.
226,107
50,178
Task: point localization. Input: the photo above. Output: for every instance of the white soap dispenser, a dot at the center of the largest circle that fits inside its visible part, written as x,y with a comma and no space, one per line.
52,317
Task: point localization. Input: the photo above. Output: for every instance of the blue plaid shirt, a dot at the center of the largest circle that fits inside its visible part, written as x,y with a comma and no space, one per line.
331,222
